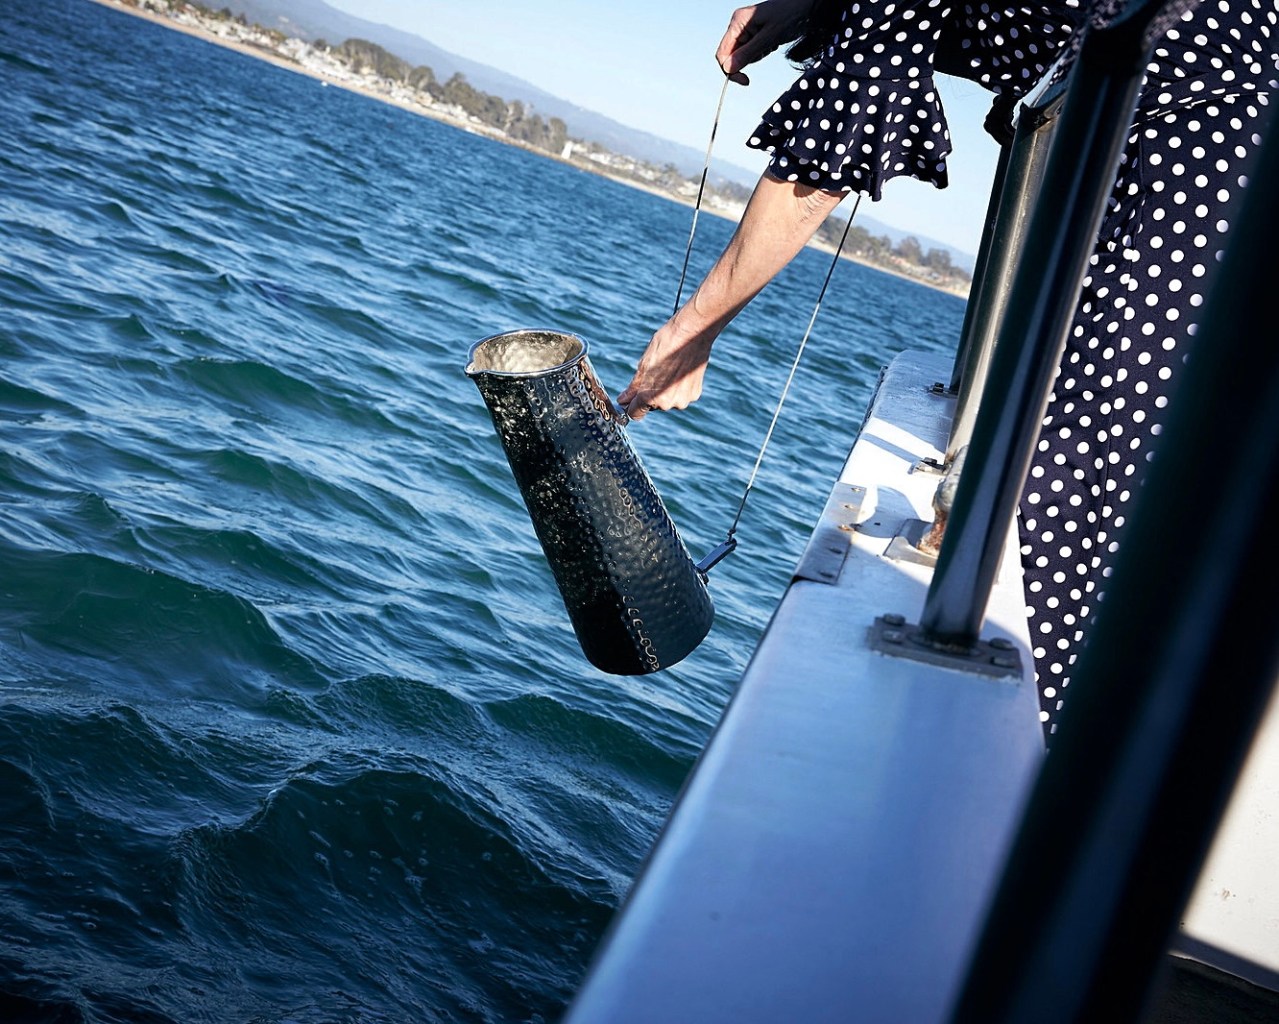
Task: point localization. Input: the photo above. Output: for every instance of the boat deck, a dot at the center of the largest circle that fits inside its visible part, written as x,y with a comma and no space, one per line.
832,853
830,856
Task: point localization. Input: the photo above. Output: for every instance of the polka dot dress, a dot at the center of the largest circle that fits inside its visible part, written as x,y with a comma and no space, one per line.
867,110
1183,174
1008,49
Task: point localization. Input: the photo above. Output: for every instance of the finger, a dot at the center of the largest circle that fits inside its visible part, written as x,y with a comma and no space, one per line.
733,76
731,40
728,62
754,49
751,47
641,407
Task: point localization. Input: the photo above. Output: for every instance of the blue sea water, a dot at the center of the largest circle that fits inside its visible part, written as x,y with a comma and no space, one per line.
293,725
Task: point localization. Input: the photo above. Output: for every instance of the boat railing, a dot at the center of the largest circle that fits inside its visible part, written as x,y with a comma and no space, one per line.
1017,179
1018,175
1168,695
1182,661
1053,189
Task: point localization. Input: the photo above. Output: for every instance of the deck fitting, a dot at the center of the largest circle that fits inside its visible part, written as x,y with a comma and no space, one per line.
891,634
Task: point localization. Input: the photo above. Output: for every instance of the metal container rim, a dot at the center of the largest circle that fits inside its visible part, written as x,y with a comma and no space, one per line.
582,353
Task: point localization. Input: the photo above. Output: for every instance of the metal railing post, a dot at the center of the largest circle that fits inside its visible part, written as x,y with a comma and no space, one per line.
1021,169
1151,743
983,274
1078,174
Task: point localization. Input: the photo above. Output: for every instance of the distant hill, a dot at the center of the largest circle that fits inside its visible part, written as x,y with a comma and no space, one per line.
315,19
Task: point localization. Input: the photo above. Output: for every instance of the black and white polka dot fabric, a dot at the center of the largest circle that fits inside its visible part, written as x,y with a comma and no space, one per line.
1199,122
1008,49
867,110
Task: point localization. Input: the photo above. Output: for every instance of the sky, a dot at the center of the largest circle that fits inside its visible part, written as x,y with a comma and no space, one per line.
650,64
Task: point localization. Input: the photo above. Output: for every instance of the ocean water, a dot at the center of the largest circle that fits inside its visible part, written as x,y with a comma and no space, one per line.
293,725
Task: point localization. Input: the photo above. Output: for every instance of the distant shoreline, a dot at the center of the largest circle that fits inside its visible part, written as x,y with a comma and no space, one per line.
273,58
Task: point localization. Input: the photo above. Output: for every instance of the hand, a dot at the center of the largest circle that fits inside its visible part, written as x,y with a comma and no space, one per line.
756,31
670,371
779,221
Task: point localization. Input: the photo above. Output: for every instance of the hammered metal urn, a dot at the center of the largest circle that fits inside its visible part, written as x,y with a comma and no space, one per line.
636,599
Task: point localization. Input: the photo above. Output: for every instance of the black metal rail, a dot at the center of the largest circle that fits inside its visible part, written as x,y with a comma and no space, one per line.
1184,657
1017,182
1168,695
1078,172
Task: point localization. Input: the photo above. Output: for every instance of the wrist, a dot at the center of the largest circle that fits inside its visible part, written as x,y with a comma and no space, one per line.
692,329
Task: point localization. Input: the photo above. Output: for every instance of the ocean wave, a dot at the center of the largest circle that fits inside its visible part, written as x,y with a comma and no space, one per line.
178,638
26,404
400,841
268,389
17,60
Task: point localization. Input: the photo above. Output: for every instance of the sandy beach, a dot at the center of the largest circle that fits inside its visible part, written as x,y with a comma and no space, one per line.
262,53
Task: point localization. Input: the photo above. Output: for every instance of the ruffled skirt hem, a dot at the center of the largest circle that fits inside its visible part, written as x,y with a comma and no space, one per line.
842,135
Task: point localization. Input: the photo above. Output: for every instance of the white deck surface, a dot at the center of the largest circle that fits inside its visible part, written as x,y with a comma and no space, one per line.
1235,907
830,856
833,850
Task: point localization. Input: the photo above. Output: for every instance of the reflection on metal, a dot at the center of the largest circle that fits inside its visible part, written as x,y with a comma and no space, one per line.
823,558
1022,168
943,500
637,601
930,543
891,634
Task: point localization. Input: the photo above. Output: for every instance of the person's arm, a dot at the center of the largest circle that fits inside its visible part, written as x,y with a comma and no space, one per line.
779,220
756,31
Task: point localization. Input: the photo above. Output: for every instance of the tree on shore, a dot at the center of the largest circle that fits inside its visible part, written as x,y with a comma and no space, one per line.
939,260
910,250
421,78
520,124
362,56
